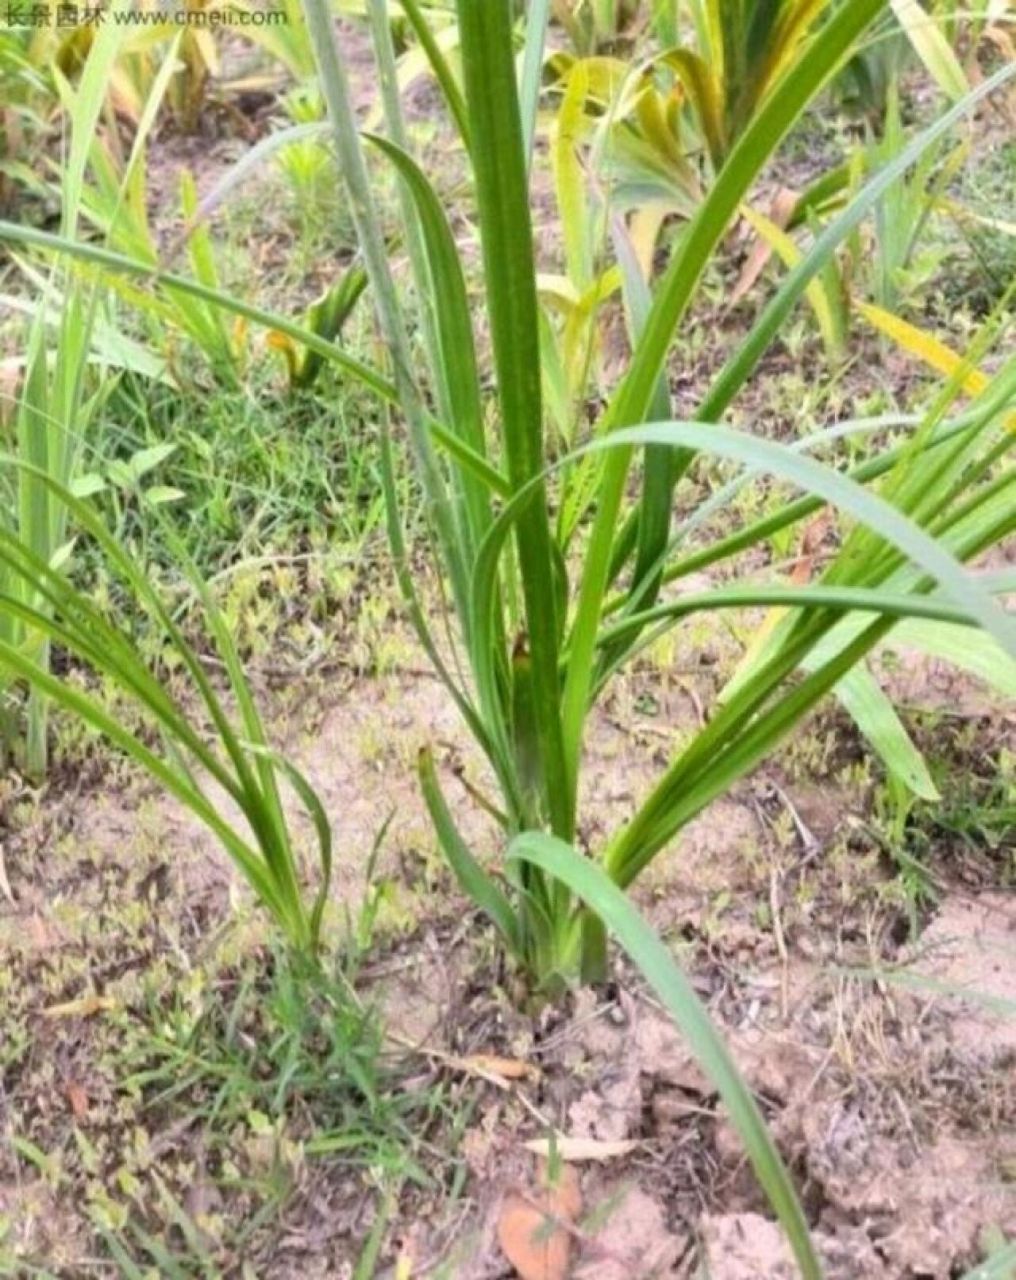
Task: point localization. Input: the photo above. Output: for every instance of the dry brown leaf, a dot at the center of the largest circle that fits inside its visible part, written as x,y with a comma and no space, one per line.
811,545
536,1248
576,1150
86,1007
506,1068
78,1099
10,379
533,1231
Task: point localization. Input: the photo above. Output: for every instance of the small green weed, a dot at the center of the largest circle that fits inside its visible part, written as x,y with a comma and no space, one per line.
969,834
258,472
269,1067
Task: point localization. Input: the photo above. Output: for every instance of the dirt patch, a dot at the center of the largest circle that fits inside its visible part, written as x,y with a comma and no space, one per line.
968,958
924,1208
628,1235
745,1246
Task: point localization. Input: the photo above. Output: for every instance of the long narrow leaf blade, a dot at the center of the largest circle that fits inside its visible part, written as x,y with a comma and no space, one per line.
589,882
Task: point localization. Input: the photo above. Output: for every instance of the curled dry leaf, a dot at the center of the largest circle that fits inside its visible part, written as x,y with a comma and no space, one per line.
781,210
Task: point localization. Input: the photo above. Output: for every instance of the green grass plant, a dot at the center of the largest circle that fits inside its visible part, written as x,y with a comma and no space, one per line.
555,579
549,606
52,413
215,764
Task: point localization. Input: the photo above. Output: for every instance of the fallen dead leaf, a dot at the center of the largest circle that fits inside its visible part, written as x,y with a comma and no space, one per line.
811,545
506,1068
576,1150
536,1247
78,1099
10,378
533,1231
86,1007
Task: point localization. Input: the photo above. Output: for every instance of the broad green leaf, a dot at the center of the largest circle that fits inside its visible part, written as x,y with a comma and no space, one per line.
502,191
145,460
455,346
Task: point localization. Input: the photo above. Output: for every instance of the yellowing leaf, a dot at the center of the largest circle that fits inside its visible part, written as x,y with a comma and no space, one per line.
823,305
644,231
932,47
925,346
569,176
207,49
930,350
781,210
701,84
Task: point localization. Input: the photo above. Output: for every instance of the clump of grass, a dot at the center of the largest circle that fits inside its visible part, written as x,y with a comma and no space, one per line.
277,1067
280,1040
259,473
208,760
555,584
